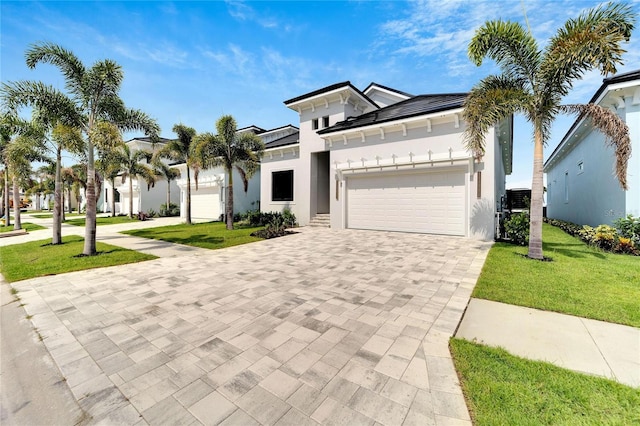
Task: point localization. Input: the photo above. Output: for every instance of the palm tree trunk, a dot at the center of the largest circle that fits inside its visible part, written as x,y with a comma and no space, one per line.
57,202
130,197
229,204
90,221
168,194
188,197
535,212
7,204
17,224
62,212
113,198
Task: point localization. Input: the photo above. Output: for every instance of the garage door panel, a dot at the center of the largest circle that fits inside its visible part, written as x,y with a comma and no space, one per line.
205,203
426,202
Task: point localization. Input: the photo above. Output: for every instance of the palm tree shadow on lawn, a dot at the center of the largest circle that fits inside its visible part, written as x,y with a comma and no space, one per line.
567,250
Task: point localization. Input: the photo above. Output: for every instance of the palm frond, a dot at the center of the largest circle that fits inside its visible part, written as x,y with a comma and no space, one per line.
510,46
615,131
71,67
593,40
491,100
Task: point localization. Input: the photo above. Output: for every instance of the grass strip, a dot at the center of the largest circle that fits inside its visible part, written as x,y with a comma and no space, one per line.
101,220
209,235
25,225
581,280
502,389
40,258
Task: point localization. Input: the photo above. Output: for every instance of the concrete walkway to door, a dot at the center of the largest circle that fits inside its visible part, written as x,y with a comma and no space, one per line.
329,327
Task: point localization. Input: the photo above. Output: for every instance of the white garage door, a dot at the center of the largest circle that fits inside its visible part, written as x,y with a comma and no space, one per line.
205,203
432,203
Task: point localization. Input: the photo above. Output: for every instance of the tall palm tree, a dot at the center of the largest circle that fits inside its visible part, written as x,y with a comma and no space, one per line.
534,81
132,168
168,173
182,150
230,150
92,99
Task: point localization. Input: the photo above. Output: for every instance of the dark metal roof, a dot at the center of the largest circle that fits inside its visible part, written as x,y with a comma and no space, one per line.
388,88
291,139
416,106
619,78
281,127
151,140
257,130
329,89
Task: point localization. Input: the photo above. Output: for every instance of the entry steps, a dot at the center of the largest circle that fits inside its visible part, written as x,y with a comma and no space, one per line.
321,220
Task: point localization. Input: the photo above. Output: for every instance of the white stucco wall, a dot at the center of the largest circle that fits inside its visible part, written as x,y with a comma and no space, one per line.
594,194
281,160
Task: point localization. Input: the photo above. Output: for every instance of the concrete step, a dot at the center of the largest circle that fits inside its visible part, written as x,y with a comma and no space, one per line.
321,221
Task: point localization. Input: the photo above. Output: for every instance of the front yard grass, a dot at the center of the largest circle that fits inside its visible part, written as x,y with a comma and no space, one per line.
209,235
102,220
40,258
27,226
502,389
50,215
581,280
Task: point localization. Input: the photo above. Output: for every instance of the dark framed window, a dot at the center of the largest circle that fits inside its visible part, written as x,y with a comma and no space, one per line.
282,185
314,124
325,121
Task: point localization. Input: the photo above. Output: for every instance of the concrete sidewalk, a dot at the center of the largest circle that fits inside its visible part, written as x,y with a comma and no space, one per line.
579,344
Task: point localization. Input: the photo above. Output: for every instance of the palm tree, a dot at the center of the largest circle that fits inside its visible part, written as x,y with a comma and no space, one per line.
182,150
92,99
230,149
534,81
133,168
169,173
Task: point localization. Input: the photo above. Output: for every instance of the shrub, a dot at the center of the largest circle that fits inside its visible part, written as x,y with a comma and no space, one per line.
152,213
587,234
626,246
629,227
289,218
275,228
172,210
606,237
517,227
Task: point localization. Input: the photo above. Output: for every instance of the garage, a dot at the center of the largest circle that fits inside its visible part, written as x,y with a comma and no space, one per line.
425,202
205,203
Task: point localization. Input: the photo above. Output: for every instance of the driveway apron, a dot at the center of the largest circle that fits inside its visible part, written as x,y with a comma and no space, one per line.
330,327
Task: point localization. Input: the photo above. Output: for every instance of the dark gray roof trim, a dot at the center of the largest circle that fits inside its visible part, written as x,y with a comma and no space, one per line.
291,139
281,127
150,140
329,89
619,78
373,83
416,106
257,129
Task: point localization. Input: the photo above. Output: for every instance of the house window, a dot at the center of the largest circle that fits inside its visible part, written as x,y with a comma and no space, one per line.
325,121
581,167
282,186
566,187
314,124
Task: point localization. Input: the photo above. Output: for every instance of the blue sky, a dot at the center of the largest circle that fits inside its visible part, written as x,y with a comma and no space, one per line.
192,62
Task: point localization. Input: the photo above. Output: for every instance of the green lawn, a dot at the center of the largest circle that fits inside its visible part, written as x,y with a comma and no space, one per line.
25,225
39,258
580,280
50,215
102,220
210,235
502,389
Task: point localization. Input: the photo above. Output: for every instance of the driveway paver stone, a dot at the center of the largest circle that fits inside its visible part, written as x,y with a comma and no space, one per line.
330,327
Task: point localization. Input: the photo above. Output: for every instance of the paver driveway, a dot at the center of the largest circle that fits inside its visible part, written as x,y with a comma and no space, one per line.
334,327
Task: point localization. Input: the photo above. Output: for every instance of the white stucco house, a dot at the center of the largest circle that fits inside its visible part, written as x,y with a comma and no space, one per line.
382,159
208,200
144,198
581,185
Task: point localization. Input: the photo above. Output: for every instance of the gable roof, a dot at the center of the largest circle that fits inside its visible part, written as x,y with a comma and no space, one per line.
345,84
291,139
619,78
389,89
150,140
255,129
416,106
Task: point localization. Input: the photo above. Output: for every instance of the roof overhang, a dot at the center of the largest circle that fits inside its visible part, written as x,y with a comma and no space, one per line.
345,94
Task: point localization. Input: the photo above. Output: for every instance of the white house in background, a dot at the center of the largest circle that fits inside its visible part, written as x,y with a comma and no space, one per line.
382,159
581,186
144,198
208,200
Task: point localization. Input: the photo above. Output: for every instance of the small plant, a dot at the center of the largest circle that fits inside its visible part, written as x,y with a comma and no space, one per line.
152,213
629,227
517,227
289,218
626,245
587,234
606,237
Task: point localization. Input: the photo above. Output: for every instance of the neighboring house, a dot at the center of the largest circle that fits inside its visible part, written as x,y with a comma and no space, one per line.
382,159
208,200
144,198
581,186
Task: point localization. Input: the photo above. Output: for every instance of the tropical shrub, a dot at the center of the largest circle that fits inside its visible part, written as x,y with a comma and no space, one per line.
517,227
606,237
626,246
152,213
172,210
629,227
289,218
